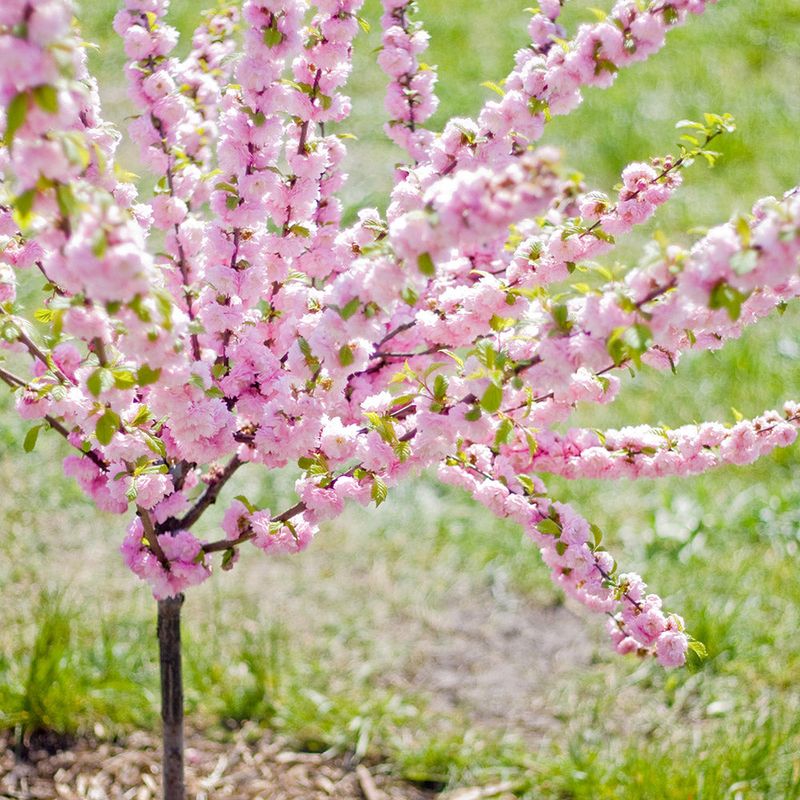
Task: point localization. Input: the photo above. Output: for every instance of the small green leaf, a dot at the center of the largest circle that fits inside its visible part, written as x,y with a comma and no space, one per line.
346,357
67,202
31,438
409,296
107,426
440,385
597,535
101,380
494,87
549,527
380,491
474,414
526,482
23,208
725,296
124,379
147,375
350,308
155,444
46,97
272,37
246,503
492,398
698,648
15,116
426,265
142,415
503,433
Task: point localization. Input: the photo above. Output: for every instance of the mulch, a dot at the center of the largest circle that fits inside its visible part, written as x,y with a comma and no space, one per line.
251,767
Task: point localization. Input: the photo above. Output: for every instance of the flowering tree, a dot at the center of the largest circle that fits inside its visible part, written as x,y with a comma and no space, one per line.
234,317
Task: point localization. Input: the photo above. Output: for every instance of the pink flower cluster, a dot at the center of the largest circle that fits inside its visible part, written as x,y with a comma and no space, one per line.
410,98
234,317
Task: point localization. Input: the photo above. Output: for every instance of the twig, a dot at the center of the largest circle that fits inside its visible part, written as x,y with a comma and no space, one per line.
481,792
367,784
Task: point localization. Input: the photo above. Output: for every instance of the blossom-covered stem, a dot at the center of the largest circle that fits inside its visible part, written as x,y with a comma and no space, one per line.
648,451
15,382
38,354
410,99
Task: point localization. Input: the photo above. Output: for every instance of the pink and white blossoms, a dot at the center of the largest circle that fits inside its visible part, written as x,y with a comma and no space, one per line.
235,318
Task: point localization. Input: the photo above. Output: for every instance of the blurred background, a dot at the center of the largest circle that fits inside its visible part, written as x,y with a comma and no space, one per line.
427,634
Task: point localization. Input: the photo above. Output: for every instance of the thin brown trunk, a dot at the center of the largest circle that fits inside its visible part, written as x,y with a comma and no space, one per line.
169,648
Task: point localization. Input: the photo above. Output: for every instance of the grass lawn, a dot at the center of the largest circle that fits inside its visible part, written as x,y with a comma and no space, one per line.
427,633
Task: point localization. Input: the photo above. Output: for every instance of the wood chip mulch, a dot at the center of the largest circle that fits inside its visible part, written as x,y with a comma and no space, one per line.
251,767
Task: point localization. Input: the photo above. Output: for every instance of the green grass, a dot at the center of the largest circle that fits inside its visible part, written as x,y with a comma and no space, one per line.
321,647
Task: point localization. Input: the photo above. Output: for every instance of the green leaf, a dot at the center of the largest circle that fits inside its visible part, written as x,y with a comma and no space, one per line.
147,375
494,87
107,426
99,244
725,296
142,415
597,535
246,503
23,208
346,357
492,398
46,97
67,203
15,117
124,379
272,37
30,438
473,415
426,265
497,323
526,482
101,380
503,433
549,527
350,308
409,296
440,387
155,444
743,229
629,344
380,491
698,648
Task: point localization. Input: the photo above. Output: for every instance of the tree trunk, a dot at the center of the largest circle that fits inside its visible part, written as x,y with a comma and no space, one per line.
169,648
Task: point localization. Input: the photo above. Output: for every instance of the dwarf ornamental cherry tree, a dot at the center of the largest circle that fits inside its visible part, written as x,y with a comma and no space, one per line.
234,317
